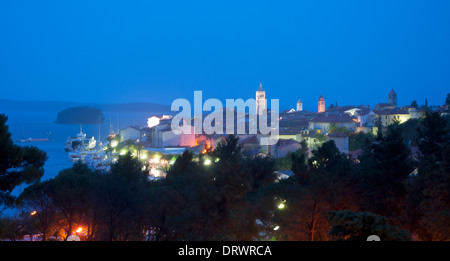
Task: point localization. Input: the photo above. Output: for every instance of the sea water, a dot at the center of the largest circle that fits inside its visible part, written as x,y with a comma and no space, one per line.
41,125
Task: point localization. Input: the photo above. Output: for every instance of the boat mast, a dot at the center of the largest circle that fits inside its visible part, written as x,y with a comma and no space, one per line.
110,126
99,138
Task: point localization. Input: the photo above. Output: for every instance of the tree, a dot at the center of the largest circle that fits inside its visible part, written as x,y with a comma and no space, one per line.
353,226
122,197
215,198
37,200
321,185
428,205
357,140
72,196
18,165
384,167
447,100
334,128
414,104
433,136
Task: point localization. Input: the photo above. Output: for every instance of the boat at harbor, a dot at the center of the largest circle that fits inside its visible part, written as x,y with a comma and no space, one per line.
33,140
80,142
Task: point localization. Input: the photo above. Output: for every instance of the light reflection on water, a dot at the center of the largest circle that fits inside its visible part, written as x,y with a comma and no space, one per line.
24,125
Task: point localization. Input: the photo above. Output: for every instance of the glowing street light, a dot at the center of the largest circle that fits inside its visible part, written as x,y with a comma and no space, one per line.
276,228
79,230
282,204
207,162
155,159
114,143
33,213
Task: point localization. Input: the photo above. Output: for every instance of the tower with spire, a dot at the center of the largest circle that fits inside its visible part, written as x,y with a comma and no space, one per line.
321,104
299,105
392,98
260,100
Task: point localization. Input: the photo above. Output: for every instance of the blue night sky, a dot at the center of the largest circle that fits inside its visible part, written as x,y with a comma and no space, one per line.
352,52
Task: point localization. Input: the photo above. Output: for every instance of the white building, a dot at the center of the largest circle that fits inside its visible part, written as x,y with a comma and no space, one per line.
387,117
161,135
130,133
299,105
340,139
156,119
260,100
323,123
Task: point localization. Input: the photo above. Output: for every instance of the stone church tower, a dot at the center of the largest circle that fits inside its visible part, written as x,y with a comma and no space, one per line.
321,104
260,100
299,105
392,98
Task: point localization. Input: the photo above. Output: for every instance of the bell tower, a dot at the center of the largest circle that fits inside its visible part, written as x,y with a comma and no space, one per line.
321,104
392,98
260,100
299,105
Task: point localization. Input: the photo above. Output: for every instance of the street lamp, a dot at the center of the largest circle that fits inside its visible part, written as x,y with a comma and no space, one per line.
282,204
207,162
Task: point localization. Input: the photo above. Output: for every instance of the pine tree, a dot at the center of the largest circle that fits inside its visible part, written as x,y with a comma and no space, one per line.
18,165
385,166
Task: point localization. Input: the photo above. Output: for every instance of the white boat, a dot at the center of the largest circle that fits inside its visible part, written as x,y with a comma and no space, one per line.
74,157
80,142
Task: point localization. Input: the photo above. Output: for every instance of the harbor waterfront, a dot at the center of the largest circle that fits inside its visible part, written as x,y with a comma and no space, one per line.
38,126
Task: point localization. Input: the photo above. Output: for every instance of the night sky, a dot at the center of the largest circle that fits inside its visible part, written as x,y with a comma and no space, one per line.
351,52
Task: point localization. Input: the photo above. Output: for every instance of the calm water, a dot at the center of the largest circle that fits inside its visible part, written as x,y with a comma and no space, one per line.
24,125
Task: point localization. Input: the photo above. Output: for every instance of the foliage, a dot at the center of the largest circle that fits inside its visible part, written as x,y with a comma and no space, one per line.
429,190
384,168
353,226
334,128
18,165
357,140
227,195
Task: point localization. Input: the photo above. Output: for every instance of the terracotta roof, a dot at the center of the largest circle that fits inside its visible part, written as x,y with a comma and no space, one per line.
288,131
389,112
333,118
250,140
285,142
384,104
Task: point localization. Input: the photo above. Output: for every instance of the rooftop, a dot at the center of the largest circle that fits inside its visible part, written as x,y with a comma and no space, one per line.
333,118
390,112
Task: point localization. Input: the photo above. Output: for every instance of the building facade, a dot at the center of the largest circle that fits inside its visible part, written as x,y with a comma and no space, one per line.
392,98
321,104
260,100
299,105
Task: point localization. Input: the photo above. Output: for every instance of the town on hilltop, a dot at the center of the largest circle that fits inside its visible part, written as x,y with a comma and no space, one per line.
342,124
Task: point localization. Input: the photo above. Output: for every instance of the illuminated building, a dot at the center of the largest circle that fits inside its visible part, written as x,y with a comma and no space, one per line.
392,98
260,100
321,104
299,105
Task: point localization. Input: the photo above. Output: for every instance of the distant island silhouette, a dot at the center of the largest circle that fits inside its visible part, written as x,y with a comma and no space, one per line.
80,115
